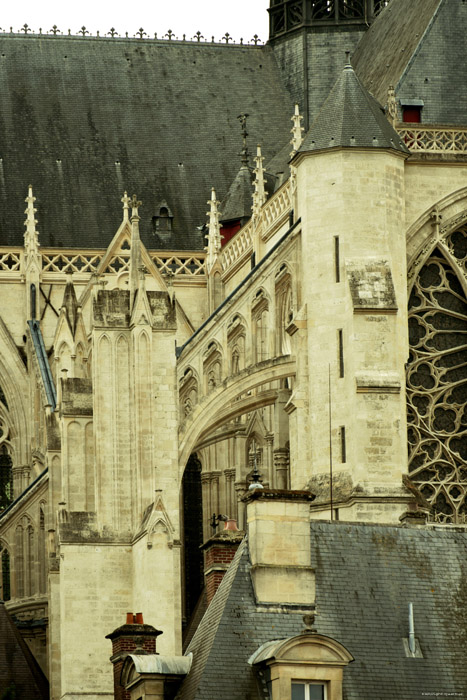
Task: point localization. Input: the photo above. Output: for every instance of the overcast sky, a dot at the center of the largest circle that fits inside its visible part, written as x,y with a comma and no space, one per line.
240,18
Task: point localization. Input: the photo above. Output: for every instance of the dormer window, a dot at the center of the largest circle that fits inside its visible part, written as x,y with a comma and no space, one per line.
162,221
412,111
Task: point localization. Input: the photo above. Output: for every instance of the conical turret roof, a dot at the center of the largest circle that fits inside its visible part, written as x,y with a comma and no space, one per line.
351,117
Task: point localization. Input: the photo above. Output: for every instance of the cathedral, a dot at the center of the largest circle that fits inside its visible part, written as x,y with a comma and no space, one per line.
233,359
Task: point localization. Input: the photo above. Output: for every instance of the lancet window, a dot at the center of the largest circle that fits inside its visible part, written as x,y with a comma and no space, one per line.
5,589
437,380
24,557
6,464
260,323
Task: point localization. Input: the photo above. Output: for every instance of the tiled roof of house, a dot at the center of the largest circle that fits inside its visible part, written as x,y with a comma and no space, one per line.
366,575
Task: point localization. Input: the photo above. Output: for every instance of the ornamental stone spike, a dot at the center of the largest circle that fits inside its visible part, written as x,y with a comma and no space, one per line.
31,235
259,195
296,131
213,236
135,252
126,202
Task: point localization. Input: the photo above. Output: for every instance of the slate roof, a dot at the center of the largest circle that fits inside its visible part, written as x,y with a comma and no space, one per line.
84,118
393,42
19,670
351,117
229,633
366,575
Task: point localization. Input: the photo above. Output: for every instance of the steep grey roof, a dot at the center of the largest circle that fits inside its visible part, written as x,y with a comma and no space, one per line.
366,575
84,118
436,73
229,633
389,45
19,671
351,117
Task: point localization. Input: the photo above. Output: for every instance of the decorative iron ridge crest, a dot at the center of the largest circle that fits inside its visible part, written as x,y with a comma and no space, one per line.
139,35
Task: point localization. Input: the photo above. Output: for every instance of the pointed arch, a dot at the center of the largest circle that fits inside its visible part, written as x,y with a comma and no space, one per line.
5,572
437,377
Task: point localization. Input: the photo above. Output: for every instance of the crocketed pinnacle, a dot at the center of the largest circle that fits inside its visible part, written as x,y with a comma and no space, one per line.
31,235
259,194
213,236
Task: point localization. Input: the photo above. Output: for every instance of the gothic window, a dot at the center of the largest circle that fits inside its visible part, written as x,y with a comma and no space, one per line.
294,14
352,9
323,9
19,561
437,382
260,319
6,474
5,590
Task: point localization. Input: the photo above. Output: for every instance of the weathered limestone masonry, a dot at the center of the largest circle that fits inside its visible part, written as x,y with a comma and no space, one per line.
128,415
351,203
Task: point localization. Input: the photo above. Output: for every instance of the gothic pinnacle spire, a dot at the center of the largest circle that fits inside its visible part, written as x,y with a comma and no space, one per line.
296,131
135,253
213,236
259,195
125,201
31,235
245,152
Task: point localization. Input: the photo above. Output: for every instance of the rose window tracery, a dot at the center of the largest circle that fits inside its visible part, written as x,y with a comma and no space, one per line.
437,381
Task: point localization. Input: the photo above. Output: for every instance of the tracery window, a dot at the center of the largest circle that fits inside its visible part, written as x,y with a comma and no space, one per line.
437,381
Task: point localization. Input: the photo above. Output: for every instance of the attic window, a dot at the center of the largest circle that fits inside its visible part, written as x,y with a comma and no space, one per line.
308,691
412,111
162,221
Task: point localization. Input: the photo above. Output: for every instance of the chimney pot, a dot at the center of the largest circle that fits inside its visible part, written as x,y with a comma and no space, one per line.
139,618
231,524
129,618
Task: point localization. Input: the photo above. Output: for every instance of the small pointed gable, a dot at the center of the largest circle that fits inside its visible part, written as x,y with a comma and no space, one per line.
19,671
349,118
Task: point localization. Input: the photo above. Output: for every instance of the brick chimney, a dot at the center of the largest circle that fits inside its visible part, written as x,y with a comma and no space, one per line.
219,551
132,637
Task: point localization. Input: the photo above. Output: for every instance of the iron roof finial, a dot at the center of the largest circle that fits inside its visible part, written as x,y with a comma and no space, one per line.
347,58
245,152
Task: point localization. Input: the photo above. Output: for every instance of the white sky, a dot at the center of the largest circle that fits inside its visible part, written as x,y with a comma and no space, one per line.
240,18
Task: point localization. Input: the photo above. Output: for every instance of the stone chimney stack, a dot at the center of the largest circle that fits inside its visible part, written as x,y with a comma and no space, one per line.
219,550
132,637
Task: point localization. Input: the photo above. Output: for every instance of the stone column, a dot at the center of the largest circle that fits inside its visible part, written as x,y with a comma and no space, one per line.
281,467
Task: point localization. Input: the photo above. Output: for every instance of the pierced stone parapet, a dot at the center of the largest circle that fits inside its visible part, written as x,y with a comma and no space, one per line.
433,139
